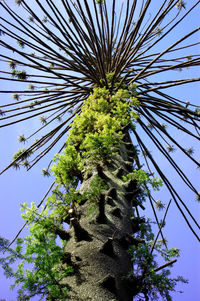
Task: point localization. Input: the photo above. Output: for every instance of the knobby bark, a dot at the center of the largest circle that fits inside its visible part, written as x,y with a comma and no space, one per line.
99,241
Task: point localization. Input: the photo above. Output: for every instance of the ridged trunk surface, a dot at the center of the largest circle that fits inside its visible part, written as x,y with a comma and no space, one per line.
99,241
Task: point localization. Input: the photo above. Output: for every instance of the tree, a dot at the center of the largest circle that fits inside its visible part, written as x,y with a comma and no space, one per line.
89,65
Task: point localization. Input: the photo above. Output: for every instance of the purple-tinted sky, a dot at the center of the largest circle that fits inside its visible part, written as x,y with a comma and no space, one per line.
20,186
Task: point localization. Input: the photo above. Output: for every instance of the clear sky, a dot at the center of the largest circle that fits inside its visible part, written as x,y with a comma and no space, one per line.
17,187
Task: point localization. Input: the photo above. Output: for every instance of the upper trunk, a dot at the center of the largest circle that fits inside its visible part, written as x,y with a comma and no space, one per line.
101,233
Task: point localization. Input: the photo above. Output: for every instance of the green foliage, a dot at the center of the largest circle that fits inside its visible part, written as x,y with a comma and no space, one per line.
31,87
39,251
181,4
22,154
21,75
97,186
146,182
12,64
143,179
21,138
67,167
148,281
159,31
170,148
110,75
94,134
20,42
45,172
43,120
159,205
13,72
15,96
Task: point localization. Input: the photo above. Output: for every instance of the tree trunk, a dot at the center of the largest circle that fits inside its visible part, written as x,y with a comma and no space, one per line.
99,241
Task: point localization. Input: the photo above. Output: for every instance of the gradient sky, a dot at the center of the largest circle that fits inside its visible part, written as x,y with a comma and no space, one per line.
17,187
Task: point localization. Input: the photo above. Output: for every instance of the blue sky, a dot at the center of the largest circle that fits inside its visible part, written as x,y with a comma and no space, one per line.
18,187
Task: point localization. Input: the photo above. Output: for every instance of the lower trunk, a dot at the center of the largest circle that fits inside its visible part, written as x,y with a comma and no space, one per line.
101,234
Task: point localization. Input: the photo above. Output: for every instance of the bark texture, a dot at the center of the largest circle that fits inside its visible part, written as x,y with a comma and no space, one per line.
99,241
